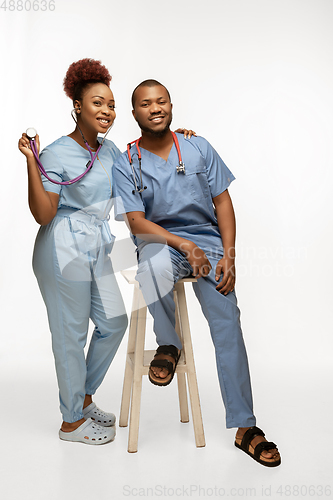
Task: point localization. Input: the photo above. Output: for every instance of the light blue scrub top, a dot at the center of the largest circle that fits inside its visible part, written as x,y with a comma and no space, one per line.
80,230
64,160
180,203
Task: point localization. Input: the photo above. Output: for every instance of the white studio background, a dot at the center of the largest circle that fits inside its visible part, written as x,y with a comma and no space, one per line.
255,78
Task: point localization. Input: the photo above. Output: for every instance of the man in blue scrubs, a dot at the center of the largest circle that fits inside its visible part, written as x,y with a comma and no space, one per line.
183,223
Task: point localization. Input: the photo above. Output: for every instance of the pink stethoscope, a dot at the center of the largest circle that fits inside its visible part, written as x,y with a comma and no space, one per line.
31,133
180,167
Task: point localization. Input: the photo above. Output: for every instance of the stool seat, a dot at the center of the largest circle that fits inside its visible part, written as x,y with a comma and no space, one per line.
138,361
130,274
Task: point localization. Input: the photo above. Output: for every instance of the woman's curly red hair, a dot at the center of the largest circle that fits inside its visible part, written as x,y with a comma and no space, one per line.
83,72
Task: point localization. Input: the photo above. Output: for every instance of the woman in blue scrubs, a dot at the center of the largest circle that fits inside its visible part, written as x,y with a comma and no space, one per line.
71,260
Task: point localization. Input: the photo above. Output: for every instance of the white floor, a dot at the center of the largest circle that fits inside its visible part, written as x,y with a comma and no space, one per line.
293,407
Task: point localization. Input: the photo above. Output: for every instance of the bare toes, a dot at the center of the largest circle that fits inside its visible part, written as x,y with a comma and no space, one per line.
159,372
271,454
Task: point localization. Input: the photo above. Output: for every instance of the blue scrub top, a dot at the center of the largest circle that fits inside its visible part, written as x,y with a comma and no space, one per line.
180,203
65,159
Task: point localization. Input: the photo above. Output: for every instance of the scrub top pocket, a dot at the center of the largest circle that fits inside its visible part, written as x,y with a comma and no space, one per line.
198,182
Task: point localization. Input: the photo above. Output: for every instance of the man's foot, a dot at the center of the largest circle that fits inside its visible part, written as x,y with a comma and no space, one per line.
248,439
162,372
163,366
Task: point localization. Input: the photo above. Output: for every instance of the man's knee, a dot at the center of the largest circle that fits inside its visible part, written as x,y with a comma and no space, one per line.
155,261
155,272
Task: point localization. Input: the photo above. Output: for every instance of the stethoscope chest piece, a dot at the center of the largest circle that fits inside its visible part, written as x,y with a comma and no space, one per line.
181,168
31,133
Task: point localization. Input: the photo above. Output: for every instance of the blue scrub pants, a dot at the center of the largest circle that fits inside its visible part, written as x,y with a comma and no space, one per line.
70,303
159,268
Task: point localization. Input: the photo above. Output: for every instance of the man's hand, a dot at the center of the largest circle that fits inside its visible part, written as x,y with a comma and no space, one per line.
226,265
196,258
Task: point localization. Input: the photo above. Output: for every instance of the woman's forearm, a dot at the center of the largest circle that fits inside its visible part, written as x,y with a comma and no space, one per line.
42,206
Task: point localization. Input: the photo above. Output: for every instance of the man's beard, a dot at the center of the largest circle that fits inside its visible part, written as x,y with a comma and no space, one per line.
156,133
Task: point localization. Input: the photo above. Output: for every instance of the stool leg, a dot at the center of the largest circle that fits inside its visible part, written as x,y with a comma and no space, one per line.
182,394
137,375
128,377
126,396
191,376
181,380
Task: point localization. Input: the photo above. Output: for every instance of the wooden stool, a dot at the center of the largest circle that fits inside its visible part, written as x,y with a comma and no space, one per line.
138,361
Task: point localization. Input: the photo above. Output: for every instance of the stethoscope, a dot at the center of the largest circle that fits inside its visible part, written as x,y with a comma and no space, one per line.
31,133
180,167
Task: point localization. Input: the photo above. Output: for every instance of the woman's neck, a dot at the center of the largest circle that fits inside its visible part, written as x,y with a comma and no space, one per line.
90,138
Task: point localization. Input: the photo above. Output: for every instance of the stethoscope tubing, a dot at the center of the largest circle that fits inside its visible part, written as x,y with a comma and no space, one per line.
88,166
180,167
64,183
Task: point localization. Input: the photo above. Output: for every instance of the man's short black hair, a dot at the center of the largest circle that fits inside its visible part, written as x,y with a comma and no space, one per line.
148,83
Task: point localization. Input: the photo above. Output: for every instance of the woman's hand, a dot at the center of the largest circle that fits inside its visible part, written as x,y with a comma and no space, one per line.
186,132
226,265
196,258
24,145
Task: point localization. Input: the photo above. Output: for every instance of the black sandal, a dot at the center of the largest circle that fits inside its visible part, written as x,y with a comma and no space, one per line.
250,434
169,350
